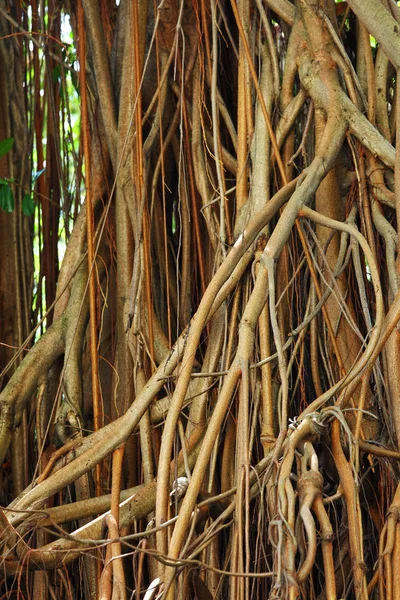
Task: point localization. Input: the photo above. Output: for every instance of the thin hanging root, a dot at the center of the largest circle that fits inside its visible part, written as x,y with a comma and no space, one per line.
114,558
353,512
309,487
389,545
327,536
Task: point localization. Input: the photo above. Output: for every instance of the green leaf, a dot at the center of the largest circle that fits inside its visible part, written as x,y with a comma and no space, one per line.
37,175
6,198
28,205
65,53
6,145
56,73
71,57
6,181
75,80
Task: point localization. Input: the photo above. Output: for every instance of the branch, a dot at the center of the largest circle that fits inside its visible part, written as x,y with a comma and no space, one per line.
102,73
381,25
284,9
24,381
